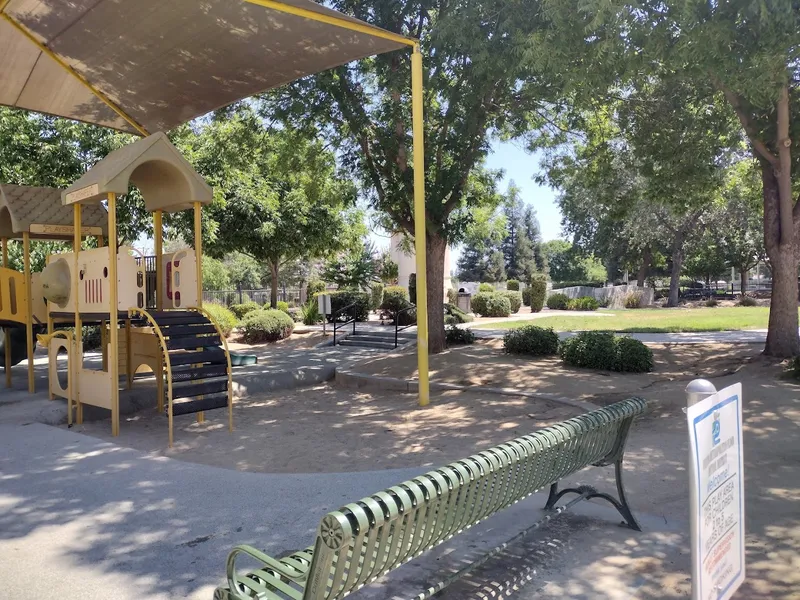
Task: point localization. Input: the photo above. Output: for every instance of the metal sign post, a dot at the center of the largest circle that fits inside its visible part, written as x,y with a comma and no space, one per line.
716,488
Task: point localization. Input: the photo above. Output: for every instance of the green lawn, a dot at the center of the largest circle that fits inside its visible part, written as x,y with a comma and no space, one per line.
653,320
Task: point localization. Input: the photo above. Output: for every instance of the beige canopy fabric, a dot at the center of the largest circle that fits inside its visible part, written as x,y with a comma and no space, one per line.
166,180
40,212
164,63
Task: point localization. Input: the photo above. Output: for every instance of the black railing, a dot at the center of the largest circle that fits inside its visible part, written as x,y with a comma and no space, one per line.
397,328
337,325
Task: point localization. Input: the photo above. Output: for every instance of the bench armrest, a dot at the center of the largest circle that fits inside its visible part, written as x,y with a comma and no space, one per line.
271,563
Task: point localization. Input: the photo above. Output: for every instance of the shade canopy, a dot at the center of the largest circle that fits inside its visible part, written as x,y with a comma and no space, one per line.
40,212
151,65
166,180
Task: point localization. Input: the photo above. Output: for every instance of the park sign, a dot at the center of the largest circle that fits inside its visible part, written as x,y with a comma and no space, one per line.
717,494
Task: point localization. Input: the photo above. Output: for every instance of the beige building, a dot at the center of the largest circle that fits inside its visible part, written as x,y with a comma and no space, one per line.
406,261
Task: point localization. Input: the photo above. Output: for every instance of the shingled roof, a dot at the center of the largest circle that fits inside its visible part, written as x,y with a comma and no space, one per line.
23,206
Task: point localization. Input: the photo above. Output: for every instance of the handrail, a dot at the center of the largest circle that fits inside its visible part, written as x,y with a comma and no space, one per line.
397,328
208,316
165,351
337,326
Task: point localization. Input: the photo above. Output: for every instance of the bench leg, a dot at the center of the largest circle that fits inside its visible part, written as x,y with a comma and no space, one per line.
589,492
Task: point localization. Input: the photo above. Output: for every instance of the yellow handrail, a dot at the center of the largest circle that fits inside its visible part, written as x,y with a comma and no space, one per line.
208,316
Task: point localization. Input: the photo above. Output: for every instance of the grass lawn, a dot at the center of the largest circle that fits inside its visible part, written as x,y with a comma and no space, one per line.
653,320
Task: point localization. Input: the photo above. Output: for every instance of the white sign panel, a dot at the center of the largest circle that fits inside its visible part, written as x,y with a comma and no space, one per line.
324,304
715,438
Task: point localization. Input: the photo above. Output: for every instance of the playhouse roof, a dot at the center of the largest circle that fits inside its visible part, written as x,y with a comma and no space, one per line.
150,65
166,180
40,212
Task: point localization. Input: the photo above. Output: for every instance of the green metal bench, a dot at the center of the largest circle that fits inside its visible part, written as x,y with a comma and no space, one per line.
363,541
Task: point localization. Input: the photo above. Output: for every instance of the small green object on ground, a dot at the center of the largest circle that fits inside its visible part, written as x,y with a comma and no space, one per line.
239,359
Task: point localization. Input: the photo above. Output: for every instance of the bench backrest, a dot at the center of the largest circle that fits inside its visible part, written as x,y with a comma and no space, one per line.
364,540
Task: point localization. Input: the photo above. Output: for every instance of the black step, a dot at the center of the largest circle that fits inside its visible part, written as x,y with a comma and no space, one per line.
175,330
192,406
169,318
203,388
195,373
211,355
192,341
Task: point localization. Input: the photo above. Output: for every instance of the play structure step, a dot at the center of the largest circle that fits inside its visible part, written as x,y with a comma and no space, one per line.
187,407
199,389
188,342
189,373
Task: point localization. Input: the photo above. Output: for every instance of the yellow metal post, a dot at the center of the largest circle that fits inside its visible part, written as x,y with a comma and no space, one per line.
26,258
419,226
158,234
77,356
7,330
113,355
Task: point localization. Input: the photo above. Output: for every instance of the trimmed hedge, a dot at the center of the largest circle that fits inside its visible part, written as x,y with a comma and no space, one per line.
455,316
583,303
526,296
603,350
531,340
558,301
538,291
395,297
341,298
514,299
283,306
485,287
375,295
222,316
497,305
512,285
266,326
558,285
453,335
240,310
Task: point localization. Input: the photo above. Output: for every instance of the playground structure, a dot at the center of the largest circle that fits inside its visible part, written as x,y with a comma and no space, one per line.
146,318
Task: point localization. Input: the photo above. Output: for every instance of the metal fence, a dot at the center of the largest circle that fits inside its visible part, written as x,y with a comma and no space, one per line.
228,297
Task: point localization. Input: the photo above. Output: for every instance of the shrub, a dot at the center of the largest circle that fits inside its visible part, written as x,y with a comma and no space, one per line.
793,368
602,350
583,303
454,315
283,306
746,301
604,302
514,299
633,356
558,285
395,298
633,300
538,291
453,335
497,305
266,326
240,310
531,340
512,285
375,295
342,298
222,317
309,312
485,287
712,302
557,301
452,296
526,296
412,288
315,286
479,303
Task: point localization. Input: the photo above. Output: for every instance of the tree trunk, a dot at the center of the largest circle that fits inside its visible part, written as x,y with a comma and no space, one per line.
782,337
743,280
675,279
434,271
647,257
273,292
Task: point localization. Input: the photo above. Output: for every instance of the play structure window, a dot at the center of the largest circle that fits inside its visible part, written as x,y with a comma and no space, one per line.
12,300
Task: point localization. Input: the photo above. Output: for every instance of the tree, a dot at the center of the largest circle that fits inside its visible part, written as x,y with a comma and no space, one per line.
280,201
352,270
519,248
742,52
473,64
387,269
215,274
564,262
530,225
481,258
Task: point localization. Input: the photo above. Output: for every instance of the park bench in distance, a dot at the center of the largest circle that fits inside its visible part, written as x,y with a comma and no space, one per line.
365,540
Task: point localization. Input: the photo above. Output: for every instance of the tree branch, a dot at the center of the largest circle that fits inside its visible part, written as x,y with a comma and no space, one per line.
747,123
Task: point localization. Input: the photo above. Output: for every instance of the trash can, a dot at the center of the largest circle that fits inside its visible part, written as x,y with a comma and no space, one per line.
464,301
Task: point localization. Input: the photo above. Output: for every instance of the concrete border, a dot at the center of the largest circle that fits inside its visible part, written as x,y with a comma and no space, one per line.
352,380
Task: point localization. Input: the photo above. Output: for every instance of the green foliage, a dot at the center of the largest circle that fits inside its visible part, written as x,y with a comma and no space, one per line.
215,274
557,301
538,291
746,301
315,286
266,326
455,336
309,313
712,302
497,305
531,340
222,316
526,296
387,270
633,300
588,283
283,306
512,285
342,298
455,316
452,296
602,350
376,295
583,303
564,262
479,301
412,288
354,269
240,310
514,300
91,338
395,298
485,287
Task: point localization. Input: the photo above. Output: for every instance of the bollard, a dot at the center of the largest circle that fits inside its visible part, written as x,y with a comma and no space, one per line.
699,389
